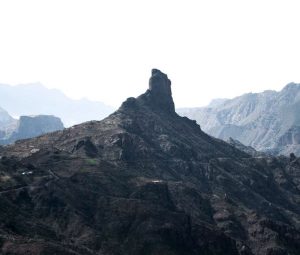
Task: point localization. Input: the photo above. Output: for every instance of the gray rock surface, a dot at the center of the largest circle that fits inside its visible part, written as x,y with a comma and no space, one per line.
267,121
31,126
248,149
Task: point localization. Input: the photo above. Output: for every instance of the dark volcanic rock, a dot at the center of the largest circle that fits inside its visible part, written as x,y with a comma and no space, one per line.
160,91
145,181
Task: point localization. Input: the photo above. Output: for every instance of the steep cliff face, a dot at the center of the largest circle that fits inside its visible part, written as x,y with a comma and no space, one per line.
267,121
145,181
32,126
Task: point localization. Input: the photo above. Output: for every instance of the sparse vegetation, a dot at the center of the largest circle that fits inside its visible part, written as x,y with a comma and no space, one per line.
92,161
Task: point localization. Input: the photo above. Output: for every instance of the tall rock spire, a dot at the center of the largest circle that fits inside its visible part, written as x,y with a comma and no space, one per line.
158,96
160,90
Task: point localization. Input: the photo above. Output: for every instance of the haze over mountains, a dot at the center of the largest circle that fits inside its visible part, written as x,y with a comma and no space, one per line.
267,121
145,181
35,99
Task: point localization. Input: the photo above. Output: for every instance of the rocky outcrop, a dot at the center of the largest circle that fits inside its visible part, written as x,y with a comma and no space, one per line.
267,121
32,126
248,149
160,91
145,181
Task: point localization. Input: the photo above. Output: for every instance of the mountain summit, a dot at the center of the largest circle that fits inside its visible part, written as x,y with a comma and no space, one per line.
145,181
158,96
160,91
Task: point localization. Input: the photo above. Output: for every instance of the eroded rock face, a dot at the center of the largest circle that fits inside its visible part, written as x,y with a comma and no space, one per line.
291,137
267,121
32,126
159,94
145,181
248,149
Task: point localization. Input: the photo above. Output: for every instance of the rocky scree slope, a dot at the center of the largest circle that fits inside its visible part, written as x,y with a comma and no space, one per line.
267,121
145,181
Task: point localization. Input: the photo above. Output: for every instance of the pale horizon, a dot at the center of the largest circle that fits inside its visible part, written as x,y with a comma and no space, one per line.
116,106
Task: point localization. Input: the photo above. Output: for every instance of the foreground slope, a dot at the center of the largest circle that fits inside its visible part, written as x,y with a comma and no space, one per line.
145,181
268,121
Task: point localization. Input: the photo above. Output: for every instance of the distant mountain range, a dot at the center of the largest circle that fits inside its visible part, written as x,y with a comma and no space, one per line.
35,99
267,121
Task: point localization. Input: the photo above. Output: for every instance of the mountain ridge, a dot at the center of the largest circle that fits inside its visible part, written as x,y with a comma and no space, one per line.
145,181
267,121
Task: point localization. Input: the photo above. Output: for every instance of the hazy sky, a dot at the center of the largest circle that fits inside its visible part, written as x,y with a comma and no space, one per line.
105,49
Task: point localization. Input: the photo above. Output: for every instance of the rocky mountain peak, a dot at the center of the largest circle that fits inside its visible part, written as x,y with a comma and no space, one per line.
160,91
291,86
145,181
247,118
30,126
